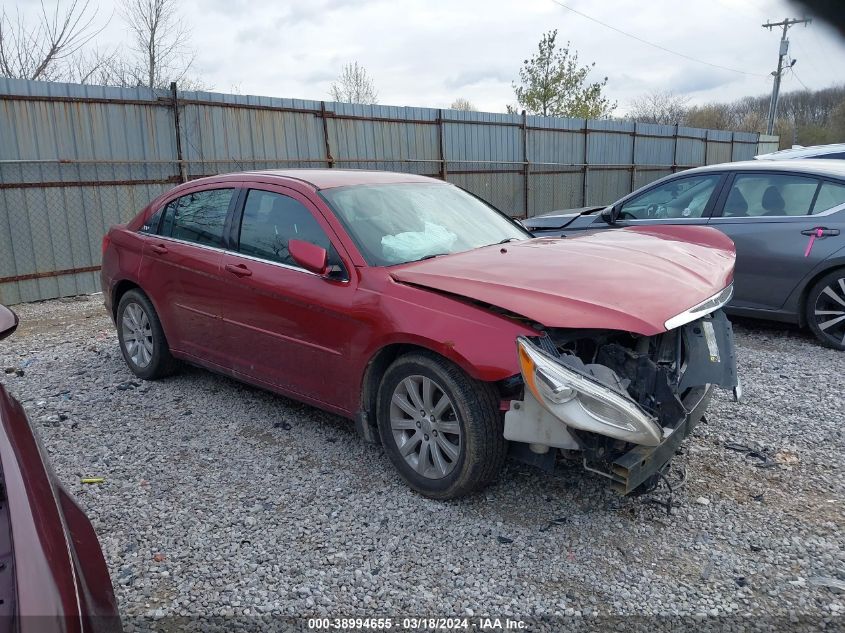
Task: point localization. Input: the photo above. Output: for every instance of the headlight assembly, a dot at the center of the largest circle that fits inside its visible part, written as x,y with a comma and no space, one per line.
582,402
711,304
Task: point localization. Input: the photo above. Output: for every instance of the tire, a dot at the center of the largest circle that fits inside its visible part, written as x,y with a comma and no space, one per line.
459,446
137,322
825,309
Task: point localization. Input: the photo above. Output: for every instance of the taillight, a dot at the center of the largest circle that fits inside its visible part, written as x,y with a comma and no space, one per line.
106,242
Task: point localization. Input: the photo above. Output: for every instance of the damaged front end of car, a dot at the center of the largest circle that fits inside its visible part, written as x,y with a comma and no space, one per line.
623,400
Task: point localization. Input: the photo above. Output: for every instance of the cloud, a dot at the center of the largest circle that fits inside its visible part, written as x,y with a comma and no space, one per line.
694,80
427,52
477,76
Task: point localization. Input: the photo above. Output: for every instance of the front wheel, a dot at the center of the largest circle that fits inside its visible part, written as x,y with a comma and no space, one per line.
441,429
825,309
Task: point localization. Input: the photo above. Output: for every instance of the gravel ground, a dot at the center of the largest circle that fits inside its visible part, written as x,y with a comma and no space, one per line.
221,499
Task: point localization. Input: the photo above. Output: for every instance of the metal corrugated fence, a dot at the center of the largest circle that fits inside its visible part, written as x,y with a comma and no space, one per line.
75,159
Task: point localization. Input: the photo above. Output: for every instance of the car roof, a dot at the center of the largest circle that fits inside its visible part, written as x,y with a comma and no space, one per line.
329,178
809,166
803,152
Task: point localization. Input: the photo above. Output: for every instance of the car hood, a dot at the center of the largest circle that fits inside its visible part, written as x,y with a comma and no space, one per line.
558,219
631,279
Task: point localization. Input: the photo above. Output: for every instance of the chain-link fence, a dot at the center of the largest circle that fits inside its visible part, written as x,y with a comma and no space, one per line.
76,159
58,211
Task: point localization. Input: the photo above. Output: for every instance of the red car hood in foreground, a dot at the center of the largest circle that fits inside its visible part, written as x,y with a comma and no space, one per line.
54,578
632,279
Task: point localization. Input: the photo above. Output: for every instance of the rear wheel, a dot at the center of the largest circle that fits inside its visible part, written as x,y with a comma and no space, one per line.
141,337
441,429
825,309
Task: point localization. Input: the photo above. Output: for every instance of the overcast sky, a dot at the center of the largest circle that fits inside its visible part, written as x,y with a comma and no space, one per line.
428,52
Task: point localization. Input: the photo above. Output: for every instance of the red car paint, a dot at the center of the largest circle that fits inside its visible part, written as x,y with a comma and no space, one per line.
314,338
632,280
54,578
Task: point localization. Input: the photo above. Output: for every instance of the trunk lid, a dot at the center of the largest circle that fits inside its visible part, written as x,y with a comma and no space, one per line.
631,279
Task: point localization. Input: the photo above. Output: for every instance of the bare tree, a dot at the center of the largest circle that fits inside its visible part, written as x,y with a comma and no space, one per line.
463,104
662,107
41,50
95,66
354,86
160,38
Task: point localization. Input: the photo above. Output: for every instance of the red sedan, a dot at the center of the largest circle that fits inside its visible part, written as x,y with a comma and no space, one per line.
436,322
53,578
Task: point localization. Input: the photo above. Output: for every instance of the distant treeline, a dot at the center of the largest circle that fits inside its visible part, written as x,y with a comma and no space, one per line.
805,117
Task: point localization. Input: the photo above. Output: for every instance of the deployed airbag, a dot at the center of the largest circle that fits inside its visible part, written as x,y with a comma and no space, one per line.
414,245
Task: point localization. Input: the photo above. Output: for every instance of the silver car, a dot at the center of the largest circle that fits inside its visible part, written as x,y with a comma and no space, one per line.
787,219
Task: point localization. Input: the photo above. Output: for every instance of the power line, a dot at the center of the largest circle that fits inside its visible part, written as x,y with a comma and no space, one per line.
794,74
657,46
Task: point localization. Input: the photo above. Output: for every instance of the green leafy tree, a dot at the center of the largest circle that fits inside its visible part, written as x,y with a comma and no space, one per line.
552,83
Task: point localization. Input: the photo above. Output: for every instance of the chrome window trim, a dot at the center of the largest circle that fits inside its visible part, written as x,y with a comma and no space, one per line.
830,211
703,219
796,218
226,251
167,238
271,262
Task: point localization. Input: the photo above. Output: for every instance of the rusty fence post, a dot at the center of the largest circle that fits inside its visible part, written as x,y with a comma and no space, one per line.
586,131
441,140
325,118
675,150
526,164
634,158
177,127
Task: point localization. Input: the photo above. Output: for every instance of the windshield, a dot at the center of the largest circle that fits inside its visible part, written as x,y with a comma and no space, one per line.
399,223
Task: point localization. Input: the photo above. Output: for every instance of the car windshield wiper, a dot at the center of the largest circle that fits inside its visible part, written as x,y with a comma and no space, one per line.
432,256
509,239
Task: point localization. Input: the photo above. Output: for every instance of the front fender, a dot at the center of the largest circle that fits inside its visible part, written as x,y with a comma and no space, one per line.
479,341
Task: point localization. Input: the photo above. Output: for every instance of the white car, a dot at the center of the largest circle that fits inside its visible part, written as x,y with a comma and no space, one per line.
834,150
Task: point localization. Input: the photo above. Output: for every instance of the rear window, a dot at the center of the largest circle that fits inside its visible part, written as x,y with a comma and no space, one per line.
754,195
198,217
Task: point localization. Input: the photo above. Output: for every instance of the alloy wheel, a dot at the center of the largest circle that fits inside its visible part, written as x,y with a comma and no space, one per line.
830,311
137,335
425,426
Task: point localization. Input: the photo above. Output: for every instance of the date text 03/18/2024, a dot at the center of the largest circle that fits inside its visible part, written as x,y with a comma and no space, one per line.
416,623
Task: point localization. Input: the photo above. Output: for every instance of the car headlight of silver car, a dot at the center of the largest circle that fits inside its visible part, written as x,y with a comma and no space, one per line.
711,304
582,402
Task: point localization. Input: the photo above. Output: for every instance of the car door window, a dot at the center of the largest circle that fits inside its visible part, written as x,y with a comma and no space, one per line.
153,222
831,194
270,220
756,195
680,198
198,217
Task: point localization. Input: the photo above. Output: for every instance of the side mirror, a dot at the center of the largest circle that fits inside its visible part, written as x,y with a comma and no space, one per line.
8,322
611,215
311,257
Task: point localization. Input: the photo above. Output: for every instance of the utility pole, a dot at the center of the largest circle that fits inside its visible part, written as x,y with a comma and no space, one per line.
784,49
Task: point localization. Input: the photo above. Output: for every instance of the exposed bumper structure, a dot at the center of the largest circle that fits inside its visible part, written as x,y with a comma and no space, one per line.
633,468
629,408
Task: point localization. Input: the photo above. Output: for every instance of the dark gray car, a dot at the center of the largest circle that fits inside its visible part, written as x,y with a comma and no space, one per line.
787,219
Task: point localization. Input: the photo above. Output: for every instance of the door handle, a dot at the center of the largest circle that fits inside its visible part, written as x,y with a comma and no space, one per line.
820,231
238,269
160,249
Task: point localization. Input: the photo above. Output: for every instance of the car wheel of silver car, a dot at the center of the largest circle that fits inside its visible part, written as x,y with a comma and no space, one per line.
826,309
441,429
141,337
